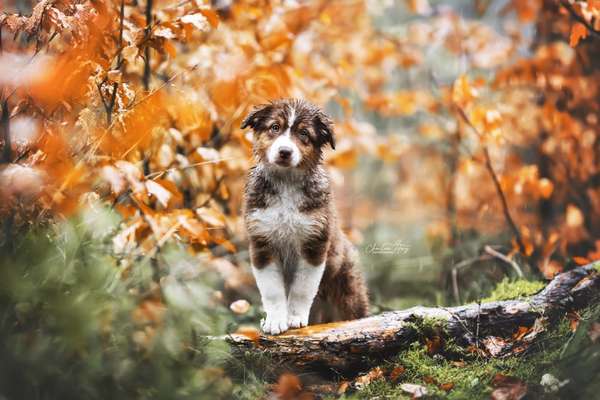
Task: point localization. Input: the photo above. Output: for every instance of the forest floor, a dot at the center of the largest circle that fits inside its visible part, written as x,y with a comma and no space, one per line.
561,363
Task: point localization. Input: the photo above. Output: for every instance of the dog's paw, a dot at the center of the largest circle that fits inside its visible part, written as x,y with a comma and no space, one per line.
296,321
274,324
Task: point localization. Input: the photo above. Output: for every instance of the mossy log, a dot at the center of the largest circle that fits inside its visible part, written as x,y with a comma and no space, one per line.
493,329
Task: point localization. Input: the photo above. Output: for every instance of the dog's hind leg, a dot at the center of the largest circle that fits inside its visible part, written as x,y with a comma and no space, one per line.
348,292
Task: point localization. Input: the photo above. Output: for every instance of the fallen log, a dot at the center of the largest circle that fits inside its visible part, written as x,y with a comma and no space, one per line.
494,329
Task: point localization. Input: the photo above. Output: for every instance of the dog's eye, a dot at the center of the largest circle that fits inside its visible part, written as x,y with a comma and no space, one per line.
304,135
275,128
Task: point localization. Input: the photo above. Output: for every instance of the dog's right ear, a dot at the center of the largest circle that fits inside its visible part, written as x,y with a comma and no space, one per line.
257,117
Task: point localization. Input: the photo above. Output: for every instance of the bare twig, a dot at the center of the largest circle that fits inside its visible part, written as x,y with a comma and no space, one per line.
120,48
157,174
488,165
491,251
463,264
147,71
5,128
109,106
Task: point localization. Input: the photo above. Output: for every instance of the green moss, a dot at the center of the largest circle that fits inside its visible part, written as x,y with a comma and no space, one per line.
470,376
507,290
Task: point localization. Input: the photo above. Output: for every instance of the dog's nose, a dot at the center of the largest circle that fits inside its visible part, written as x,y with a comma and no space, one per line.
285,153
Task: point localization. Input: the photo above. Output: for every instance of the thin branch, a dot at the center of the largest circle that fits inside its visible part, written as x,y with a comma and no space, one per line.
106,108
5,128
147,70
109,106
579,18
463,264
157,174
122,17
488,165
490,250
213,193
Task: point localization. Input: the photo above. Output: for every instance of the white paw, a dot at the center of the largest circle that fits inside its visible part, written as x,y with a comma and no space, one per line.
274,324
296,321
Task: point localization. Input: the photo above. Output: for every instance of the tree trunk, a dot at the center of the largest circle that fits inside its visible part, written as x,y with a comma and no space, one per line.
492,329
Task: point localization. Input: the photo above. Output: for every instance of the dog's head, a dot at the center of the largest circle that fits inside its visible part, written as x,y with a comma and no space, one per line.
290,133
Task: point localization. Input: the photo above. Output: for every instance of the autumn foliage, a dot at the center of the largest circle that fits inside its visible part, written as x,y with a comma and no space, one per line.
136,105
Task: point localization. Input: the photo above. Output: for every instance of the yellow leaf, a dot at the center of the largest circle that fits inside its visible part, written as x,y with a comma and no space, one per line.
574,216
462,92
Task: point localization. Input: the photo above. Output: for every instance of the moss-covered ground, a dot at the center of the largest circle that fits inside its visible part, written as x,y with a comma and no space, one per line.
563,351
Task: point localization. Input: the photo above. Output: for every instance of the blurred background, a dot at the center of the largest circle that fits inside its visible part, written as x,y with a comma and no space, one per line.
467,155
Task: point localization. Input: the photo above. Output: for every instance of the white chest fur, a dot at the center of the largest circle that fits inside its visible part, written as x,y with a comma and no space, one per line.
281,221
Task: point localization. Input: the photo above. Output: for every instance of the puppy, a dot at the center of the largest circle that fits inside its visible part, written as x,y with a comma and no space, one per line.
297,250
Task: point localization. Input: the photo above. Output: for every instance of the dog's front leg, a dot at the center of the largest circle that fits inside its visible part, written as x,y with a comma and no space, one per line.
303,290
269,280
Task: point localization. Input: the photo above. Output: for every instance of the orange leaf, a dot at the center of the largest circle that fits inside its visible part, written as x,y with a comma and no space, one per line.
250,332
211,16
522,331
581,260
578,32
446,387
396,373
462,92
546,188
288,386
574,319
170,48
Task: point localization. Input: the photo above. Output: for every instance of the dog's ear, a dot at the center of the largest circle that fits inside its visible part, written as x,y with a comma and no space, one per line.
257,116
324,127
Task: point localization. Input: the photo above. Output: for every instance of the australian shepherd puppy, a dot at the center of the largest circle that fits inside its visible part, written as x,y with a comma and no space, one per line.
297,250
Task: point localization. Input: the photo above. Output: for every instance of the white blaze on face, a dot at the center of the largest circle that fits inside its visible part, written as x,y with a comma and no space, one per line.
283,142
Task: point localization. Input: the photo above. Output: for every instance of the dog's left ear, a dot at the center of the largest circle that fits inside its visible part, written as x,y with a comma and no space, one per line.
257,116
324,127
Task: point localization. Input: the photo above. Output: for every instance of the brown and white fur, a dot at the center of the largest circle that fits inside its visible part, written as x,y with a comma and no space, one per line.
297,250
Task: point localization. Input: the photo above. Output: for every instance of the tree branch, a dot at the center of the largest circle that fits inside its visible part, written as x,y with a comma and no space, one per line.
579,18
488,165
147,70
5,128
109,106
487,328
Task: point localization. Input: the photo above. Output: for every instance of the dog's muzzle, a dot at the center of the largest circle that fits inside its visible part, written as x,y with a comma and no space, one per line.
284,152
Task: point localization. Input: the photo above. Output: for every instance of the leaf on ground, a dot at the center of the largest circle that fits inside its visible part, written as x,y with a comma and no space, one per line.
366,379
417,391
396,373
508,388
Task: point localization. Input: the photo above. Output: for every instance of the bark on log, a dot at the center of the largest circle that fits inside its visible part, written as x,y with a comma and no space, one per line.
495,329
